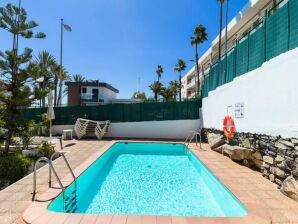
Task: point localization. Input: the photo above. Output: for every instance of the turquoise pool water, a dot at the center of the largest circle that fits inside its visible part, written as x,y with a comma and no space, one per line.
149,179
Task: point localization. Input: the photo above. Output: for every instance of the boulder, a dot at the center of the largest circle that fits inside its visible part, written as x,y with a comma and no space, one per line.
246,143
215,140
294,141
290,187
284,145
257,159
268,159
237,153
279,159
295,172
280,173
271,177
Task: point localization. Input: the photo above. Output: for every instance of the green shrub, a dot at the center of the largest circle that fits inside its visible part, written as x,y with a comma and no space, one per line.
13,167
46,149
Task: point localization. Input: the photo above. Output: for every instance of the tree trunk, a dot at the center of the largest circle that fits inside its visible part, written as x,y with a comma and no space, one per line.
60,93
197,68
220,32
55,91
155,96
180,87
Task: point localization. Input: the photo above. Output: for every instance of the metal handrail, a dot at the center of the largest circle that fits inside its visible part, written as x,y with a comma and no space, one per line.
191,136
45,159
61,153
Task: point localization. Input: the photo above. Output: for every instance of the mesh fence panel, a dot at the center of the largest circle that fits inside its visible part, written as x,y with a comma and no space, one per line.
256,48
230,66
277,31
277,34
293,16
153,111
242,57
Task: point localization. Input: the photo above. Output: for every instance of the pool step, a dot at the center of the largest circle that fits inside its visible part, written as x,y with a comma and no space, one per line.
70,202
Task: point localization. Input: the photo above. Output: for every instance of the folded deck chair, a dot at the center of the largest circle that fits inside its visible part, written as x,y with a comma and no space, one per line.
89,128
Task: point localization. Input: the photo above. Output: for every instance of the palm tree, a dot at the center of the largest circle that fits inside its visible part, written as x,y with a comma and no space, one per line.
159,72
220,28
167,93
175,86
156,87
78,78
56,73
44,63
180,67
200,36
63,76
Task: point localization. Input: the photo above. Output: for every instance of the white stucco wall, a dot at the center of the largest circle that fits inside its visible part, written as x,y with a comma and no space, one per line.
178,129
269,95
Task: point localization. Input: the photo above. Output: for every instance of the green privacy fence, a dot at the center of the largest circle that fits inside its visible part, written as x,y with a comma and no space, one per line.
133,112
277,34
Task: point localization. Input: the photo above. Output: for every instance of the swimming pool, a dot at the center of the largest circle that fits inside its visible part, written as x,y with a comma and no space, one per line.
149,179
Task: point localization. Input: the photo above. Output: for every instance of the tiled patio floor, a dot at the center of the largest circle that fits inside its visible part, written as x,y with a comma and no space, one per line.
16,198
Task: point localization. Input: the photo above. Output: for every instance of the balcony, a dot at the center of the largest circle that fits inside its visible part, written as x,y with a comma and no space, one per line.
90,97
191,84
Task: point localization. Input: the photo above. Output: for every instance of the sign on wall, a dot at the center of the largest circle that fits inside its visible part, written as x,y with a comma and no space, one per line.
239,110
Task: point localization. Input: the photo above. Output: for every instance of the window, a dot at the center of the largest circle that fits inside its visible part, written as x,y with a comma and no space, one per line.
84,90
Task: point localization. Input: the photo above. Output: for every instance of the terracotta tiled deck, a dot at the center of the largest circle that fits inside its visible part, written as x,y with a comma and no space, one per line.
15,199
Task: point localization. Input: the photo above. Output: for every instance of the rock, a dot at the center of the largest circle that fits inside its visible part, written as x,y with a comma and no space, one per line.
268,159
246,143
215,140
257,159
248,163
237,153
271,177
296,148
294,141
265,165
282,165
272,169
280,173
290,187
285,145
257,156
278,181
279,159
295,172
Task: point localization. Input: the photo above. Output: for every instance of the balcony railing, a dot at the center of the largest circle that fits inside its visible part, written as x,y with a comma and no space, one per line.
90,97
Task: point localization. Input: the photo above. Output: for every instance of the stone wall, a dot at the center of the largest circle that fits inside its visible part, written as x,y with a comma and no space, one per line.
274,156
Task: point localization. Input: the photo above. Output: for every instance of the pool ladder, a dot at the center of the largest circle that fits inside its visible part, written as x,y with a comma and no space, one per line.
69,202
190,137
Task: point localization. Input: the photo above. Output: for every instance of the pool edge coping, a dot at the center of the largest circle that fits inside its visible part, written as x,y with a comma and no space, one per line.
38,211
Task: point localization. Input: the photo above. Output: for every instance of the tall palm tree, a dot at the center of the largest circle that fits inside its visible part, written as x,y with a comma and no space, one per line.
56,73
159,72
175,86
220,28
156,88
63,76
180,67
200,36
44,63
78,78
167,93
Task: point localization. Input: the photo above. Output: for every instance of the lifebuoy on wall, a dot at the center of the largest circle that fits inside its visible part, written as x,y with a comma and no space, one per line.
228,126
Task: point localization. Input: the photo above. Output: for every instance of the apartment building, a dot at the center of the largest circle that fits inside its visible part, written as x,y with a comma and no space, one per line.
249,17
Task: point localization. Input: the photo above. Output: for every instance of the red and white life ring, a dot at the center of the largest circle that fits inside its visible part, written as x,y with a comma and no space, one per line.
228,126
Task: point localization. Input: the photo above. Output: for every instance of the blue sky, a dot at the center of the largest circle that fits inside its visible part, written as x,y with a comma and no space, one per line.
118,41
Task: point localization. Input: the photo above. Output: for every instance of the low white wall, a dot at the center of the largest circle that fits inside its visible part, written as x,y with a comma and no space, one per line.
269,95
177,129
